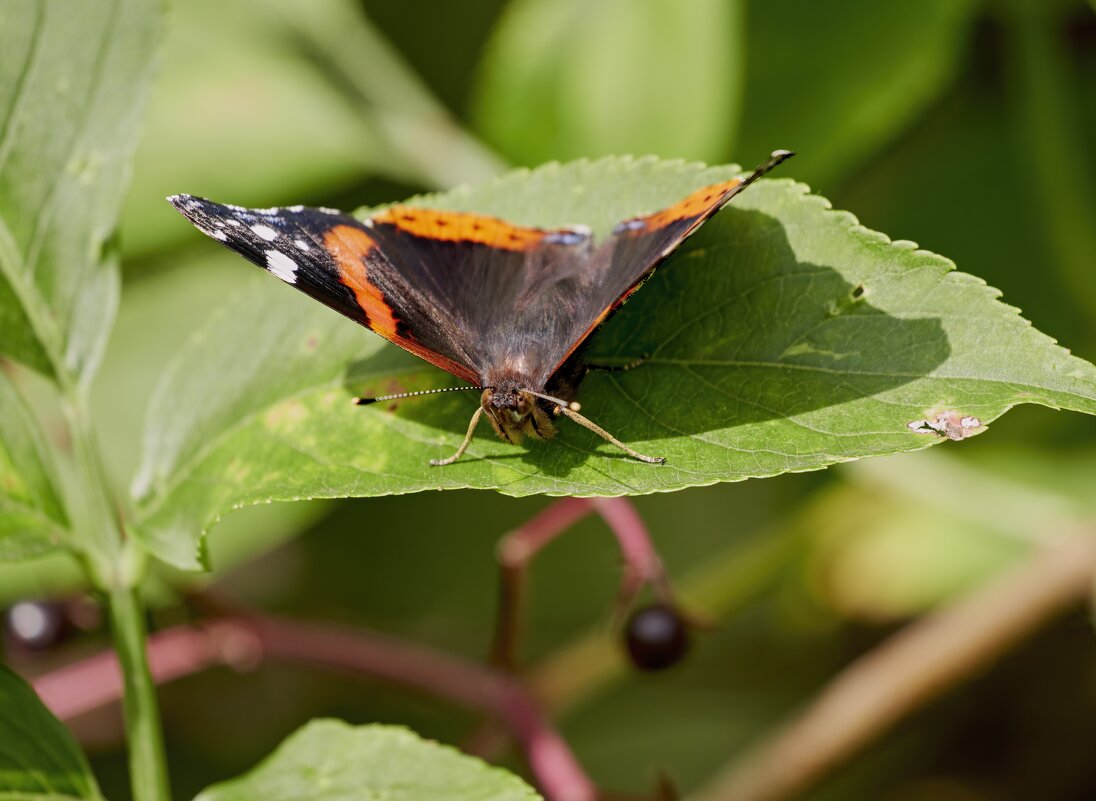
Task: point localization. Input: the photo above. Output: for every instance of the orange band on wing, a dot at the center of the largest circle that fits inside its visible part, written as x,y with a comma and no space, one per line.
350,247
455,226
694,205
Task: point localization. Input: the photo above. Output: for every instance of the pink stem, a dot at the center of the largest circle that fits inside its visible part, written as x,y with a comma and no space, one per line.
177,652
518,548
641,561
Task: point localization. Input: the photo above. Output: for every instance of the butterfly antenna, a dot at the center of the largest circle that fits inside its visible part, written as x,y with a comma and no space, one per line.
574,406
367,401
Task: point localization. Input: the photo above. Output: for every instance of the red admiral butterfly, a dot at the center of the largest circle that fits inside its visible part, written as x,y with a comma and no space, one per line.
504,307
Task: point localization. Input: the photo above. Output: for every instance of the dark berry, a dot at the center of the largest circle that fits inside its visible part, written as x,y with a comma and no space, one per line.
656,636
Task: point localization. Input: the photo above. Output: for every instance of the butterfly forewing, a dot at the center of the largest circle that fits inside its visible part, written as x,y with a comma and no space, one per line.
468,293
639,244
326,254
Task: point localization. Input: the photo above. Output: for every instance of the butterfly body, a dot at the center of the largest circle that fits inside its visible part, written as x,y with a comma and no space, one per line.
505,308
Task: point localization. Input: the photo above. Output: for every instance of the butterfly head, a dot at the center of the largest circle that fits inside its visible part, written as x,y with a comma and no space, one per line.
515,413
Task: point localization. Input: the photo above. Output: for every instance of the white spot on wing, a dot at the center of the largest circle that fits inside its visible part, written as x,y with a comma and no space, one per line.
368,223
234,222
301,245
215,234
265,232
281,265
296,209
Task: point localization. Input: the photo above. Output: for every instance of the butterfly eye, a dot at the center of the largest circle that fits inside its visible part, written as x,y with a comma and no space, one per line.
656,637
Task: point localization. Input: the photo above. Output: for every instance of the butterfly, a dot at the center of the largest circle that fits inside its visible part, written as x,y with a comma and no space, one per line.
506,308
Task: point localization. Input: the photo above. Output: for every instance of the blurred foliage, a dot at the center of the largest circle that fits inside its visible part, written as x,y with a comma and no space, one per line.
966,126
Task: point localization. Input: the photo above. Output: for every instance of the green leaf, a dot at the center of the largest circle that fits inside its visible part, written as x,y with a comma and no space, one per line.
567,78
31,516
73,80
39,760
328,760
782,337
836,81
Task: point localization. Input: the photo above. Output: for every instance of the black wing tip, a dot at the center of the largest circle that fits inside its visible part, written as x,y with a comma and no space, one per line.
179,201
775,158
191,206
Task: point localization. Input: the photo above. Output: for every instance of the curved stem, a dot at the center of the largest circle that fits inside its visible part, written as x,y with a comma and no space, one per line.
518,548
241,641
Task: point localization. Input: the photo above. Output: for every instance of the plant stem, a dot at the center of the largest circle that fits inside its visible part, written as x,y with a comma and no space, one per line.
115,568
518,548
147,763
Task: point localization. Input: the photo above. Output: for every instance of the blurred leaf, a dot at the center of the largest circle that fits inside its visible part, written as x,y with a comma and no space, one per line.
329,760
903,535
39,760
784,337
563,79
881,555
445,53
31,517
1048,100
836,81
241,112
51,575
426,142
73,80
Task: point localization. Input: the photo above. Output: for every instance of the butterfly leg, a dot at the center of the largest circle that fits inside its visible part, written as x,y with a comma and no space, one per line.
464,445
616,368
601,432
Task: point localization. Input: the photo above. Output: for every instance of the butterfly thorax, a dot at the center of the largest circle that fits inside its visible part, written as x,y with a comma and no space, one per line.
515,412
